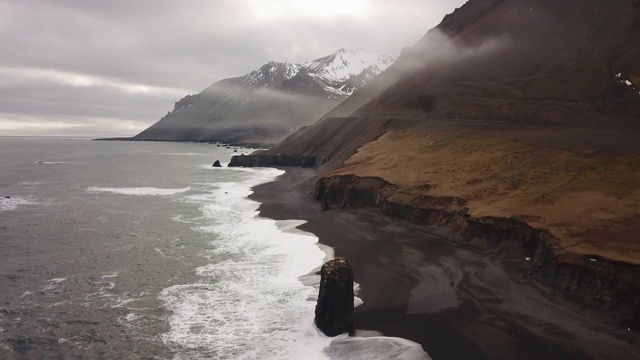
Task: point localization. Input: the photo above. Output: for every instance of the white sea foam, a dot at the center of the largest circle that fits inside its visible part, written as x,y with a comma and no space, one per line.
14,202
182,154
257,299
139,191
110,275
54,162
52,284
57,280
250,305
180,218
223,165
378,347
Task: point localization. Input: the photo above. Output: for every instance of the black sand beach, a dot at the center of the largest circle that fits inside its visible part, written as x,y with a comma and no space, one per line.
457,301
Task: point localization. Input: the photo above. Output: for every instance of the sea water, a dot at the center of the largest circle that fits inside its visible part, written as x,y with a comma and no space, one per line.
144,250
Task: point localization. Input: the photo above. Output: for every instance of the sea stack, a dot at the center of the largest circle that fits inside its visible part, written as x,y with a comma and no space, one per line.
334,311
217,164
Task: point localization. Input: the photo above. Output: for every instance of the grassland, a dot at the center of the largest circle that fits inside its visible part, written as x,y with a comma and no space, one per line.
589,201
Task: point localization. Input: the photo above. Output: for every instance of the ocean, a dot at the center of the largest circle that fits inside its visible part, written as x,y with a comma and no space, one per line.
144,250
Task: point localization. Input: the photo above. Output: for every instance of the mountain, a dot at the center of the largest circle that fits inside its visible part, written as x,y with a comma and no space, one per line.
535,64
269,103
515,125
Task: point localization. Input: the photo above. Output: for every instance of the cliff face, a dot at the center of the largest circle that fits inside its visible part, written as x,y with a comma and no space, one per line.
264,106
274,160
591,280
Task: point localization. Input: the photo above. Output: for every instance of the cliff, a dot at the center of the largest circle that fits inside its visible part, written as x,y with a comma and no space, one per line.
591,280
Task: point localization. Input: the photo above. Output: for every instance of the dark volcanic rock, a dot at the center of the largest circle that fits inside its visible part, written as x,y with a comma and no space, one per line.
217,164
7,197
334,311
325,205
598,283
275,160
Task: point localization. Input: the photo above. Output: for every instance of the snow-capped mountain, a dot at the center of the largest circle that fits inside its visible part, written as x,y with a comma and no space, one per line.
336,70
269,103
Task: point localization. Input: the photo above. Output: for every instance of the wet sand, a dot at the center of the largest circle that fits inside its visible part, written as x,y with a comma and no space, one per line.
457,301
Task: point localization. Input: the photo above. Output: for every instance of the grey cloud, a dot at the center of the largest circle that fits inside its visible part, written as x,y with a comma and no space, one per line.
176,46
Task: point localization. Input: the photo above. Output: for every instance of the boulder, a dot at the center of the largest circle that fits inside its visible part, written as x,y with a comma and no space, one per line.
334,310
217,164
7,197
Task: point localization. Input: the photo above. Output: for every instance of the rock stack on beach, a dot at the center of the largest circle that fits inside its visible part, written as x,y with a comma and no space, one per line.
334,311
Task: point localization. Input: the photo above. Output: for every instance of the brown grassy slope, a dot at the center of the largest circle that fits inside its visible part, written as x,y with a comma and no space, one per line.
589,201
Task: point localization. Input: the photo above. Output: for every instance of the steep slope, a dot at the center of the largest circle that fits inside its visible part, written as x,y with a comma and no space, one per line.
515,124
566,64
267,104
535,62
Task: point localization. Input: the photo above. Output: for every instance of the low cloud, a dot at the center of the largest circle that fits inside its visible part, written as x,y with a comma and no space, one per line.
19,124
131,60
70,79
437,49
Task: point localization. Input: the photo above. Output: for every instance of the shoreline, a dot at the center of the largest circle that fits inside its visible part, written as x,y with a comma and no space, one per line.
248,145
456,301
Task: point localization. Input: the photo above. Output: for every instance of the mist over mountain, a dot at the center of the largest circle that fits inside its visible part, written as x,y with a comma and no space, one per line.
267,104
535,83
566,63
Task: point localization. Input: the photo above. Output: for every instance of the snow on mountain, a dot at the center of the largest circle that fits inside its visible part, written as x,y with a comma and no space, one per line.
270,102
346,63
333,72
273,71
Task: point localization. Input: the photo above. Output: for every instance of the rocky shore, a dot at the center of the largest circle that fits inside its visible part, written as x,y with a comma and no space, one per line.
463,287
611,286
273,160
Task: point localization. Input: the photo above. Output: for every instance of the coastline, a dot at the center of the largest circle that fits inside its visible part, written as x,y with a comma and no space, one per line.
456,301
249,145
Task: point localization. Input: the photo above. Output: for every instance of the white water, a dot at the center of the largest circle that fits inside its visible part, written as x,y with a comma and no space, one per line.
13,203
139,190
250,302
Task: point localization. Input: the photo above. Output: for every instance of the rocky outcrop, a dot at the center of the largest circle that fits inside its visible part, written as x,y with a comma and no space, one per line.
268,160
595,282
217,164
334,311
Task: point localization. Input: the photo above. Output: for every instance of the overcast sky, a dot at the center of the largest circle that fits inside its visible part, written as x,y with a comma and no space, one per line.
114,67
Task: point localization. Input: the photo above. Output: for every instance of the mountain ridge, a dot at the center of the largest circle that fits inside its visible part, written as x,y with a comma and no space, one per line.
265,105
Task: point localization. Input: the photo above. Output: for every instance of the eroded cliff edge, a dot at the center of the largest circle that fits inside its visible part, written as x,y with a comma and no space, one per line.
592,281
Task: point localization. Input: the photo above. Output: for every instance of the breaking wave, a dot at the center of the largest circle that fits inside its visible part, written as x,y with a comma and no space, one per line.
139,191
